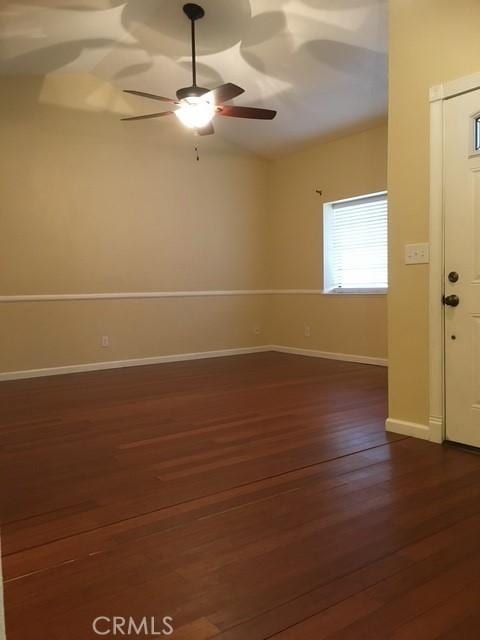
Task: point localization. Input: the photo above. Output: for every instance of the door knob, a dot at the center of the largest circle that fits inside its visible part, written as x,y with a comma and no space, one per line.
451,301
453,276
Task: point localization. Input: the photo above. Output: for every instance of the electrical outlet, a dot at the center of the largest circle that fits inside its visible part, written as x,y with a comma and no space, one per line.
105,341
257,330
307,331
417,253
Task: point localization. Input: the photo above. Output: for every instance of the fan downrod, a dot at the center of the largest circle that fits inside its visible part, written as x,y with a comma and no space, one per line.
193,11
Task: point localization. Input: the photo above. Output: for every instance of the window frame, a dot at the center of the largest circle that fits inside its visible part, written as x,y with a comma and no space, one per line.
328,285
475,145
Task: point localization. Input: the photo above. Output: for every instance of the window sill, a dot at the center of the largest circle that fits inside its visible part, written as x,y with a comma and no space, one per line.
356,292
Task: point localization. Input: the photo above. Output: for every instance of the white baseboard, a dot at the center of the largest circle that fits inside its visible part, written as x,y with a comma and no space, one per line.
135,362
328,355
414,430
179,357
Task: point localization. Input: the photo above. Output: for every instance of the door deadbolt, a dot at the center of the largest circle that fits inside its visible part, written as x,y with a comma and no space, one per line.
453,276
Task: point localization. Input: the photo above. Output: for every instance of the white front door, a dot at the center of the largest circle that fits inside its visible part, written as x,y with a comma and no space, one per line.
462,268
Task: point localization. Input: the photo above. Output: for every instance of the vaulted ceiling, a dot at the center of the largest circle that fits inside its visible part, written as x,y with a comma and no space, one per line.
321,63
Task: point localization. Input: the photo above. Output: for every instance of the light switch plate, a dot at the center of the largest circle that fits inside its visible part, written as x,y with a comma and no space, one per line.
417,253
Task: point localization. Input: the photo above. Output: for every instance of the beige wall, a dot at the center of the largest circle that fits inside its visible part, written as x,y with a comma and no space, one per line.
46,334
346,167
431,41
90,204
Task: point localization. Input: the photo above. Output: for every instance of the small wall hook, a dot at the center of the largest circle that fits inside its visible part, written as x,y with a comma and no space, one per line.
319,191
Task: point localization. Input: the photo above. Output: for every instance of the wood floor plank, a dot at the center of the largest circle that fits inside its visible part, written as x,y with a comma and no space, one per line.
255,496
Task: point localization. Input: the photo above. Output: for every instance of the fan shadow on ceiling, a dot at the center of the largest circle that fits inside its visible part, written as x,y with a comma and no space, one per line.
158,28
330,59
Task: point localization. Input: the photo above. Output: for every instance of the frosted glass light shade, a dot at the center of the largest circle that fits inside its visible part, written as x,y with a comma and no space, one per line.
195,113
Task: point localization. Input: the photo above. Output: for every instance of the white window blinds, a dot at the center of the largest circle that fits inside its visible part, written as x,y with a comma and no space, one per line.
356,244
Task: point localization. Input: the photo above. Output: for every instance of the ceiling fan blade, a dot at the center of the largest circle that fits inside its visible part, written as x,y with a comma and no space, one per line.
206,131
151,96
150,115
223,93
247,112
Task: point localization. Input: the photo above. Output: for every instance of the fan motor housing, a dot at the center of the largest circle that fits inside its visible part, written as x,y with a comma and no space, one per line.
193,11
191,92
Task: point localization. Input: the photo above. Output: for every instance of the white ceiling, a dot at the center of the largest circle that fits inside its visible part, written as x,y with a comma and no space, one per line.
321,63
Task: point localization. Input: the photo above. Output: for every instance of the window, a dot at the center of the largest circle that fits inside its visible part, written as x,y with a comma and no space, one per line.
356,245
477,133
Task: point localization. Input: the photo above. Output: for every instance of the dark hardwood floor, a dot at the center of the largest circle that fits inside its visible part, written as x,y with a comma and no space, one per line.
249,498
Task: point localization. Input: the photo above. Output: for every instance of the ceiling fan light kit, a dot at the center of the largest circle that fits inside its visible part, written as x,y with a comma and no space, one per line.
197,106
195,113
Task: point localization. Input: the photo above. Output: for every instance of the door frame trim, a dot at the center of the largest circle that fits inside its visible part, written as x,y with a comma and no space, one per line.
438,95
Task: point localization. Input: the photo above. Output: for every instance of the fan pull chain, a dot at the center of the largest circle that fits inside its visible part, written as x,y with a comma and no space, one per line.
198,156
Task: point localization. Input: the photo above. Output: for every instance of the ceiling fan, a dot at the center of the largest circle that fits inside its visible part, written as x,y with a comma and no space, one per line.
197,106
